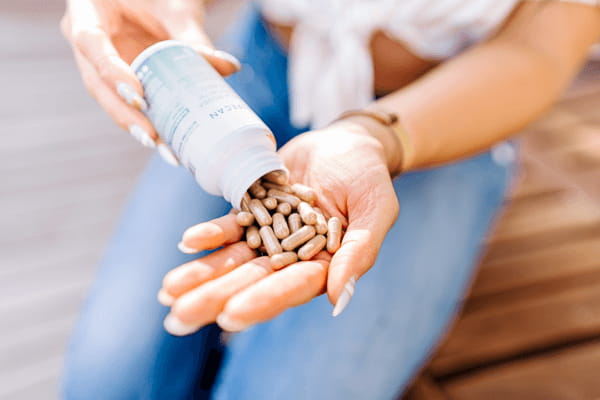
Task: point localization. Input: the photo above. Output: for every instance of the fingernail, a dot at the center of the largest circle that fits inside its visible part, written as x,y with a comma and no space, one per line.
229,324
175,327
141,135
228,57
165,298
187,250
131,97
167,155
345,297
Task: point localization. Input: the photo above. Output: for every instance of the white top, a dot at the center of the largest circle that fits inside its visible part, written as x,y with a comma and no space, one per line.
330,67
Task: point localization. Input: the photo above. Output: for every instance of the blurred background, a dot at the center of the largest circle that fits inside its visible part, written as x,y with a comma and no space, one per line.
530,328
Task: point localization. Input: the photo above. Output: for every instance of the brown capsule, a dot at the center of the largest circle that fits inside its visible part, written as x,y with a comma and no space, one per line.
321,225
284,197
271,185
244,218
298,238
280,226
257,190
260,212
245,202
270,240
281,260
310,249
308,214
278,176
334,234
270,203
252,237
284,208
304,192
295,222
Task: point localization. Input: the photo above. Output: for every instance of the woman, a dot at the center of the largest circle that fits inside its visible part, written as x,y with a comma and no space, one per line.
461,75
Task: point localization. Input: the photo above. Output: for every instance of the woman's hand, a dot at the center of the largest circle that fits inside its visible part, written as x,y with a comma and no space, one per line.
348,169
106,35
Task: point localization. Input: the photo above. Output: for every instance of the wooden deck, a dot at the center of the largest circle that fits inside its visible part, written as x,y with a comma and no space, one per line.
531,327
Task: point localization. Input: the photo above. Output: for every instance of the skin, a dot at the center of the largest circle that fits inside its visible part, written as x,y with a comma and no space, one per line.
446,109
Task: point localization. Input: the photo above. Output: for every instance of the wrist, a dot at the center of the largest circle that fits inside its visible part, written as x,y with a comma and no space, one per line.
391,145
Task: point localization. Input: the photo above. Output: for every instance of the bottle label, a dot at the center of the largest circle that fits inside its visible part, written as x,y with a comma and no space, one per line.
190,105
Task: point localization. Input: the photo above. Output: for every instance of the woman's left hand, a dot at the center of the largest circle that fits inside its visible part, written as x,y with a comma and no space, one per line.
348,169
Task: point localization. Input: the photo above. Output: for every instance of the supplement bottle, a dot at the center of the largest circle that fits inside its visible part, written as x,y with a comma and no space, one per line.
213,132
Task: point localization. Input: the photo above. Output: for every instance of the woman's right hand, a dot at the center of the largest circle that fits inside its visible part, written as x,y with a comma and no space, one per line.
106,35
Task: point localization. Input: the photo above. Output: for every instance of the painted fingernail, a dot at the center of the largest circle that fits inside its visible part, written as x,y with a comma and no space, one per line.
228,57
229,324
167,155
345,297
141,135
175,327
131,97
187,250
165,298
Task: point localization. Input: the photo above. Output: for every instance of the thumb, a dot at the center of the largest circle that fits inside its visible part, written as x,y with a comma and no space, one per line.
370,220
190,31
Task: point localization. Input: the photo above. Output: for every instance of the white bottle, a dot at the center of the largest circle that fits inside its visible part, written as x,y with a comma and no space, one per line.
210,128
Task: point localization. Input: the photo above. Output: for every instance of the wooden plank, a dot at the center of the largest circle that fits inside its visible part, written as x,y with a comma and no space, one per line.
568,374
537,267
540,215
425,388
34,381
503,329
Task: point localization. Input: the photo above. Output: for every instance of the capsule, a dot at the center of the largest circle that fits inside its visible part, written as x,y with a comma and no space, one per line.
298,238
307,213
334,234
312,247
253,238
281,260
304,192
270,240
284,208
260,212
257,190
244,218
294,222
284,197
280,226
278,176
270,185
321,225
270,203
245,202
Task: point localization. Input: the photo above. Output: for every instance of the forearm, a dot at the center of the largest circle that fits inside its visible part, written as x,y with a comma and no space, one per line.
487,94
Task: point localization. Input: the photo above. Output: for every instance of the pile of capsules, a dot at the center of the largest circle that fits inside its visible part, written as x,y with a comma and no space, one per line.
282,221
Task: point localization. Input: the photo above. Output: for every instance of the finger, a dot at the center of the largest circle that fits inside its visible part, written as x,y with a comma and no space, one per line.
126,117
190,275
201,306
370,220
188,29
210,235
290,287
88,36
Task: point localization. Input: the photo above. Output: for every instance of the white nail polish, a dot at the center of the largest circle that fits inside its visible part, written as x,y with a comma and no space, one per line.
187,250
230,325
165,298
175,327
141,136
167,155
228,57
345,297
131,97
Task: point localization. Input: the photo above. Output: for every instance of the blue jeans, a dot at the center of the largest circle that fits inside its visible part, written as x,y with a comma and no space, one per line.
119,349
